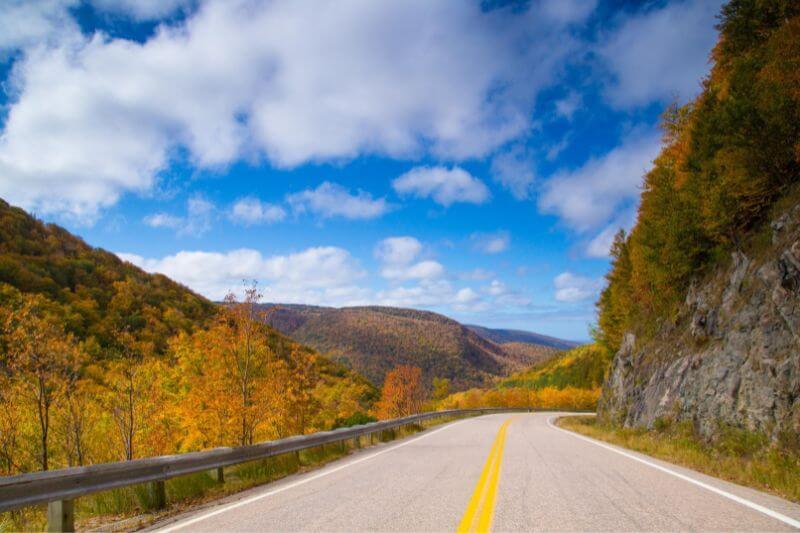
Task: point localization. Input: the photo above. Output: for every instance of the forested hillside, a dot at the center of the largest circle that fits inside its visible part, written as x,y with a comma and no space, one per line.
373,340
727,158
569,380
701,306
95,294
100,361
584,367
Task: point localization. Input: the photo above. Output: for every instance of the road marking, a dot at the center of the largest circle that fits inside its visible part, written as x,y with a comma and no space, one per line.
738,499
486,489
241,503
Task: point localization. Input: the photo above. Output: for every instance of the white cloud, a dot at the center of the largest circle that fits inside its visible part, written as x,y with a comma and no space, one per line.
289,81
196,222
398,256
567,106
324,275
445,186
661,53
554,150
491,243
398,250
514,169
589,196
497,288
30,23
331,200
600,245
574,288
250,211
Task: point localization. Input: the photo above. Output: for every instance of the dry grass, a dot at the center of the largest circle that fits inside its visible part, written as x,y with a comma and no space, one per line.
736,455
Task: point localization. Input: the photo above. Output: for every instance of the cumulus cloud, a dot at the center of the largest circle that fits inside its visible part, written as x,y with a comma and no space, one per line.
661,53
573,288
250,211
445,186
491,243
316,275
331,200
514,170
398,256
196,222
589,196
289,81
31,23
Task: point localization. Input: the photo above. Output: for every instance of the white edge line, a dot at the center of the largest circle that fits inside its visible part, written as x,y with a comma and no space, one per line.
738,499
183,524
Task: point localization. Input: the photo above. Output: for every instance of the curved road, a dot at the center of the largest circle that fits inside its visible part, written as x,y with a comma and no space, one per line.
522,475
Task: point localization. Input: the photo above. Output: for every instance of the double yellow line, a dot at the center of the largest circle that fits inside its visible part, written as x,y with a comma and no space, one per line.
480,510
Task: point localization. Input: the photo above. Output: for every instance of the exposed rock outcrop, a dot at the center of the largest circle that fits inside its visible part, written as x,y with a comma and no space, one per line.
734,356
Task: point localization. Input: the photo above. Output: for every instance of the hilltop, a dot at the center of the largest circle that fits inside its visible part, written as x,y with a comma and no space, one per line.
503,336
372,340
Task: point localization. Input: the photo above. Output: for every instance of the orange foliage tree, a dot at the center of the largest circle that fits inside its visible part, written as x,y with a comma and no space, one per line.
42,359
403,393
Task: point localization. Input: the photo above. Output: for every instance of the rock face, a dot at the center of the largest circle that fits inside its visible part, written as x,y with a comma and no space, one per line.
733,355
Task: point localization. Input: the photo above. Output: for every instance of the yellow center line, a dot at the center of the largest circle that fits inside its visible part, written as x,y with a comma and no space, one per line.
486,490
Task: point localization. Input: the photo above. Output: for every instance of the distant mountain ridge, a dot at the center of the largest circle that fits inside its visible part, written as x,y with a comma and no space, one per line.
502,336
372,340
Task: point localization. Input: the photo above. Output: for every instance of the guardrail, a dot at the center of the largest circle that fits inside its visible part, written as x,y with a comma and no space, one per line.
59,488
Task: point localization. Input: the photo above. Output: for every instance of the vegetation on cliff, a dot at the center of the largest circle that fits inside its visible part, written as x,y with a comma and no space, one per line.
727,158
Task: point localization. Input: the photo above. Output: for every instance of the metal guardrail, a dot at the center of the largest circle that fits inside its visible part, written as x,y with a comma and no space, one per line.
60,487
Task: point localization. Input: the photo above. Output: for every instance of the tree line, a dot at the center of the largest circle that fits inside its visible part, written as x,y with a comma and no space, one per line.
727,158
234,382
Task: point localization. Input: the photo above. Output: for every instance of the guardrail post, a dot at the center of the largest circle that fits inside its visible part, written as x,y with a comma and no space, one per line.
356,442
158,494
219,475
61,516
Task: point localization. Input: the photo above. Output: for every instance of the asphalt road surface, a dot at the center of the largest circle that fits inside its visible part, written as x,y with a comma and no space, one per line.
500,472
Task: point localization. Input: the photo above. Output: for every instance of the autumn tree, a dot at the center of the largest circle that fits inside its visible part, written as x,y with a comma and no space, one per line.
403,393
247,356
41,358
441,388
300,388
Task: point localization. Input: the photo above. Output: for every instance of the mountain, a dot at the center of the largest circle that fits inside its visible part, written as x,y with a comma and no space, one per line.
373,340
97,293
702,305
502,336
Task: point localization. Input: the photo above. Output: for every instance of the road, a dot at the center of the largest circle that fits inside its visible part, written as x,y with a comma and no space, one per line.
503,472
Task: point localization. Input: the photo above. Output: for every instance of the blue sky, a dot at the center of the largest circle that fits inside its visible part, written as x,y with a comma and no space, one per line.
469,158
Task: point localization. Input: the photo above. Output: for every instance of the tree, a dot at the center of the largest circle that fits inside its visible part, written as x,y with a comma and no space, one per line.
403,393
41,358
441,388
247,356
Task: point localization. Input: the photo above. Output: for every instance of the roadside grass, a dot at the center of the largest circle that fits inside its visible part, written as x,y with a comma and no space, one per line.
131,508
736,455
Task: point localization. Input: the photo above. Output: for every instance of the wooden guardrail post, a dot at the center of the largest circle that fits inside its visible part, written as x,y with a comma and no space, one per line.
219,475
61,516
158,494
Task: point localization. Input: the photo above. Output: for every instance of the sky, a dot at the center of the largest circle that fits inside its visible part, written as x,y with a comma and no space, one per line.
470,158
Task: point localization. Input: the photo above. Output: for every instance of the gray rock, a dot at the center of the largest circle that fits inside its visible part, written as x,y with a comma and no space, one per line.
744,368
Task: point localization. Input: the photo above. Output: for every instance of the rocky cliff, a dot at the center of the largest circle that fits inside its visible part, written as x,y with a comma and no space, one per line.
732,355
